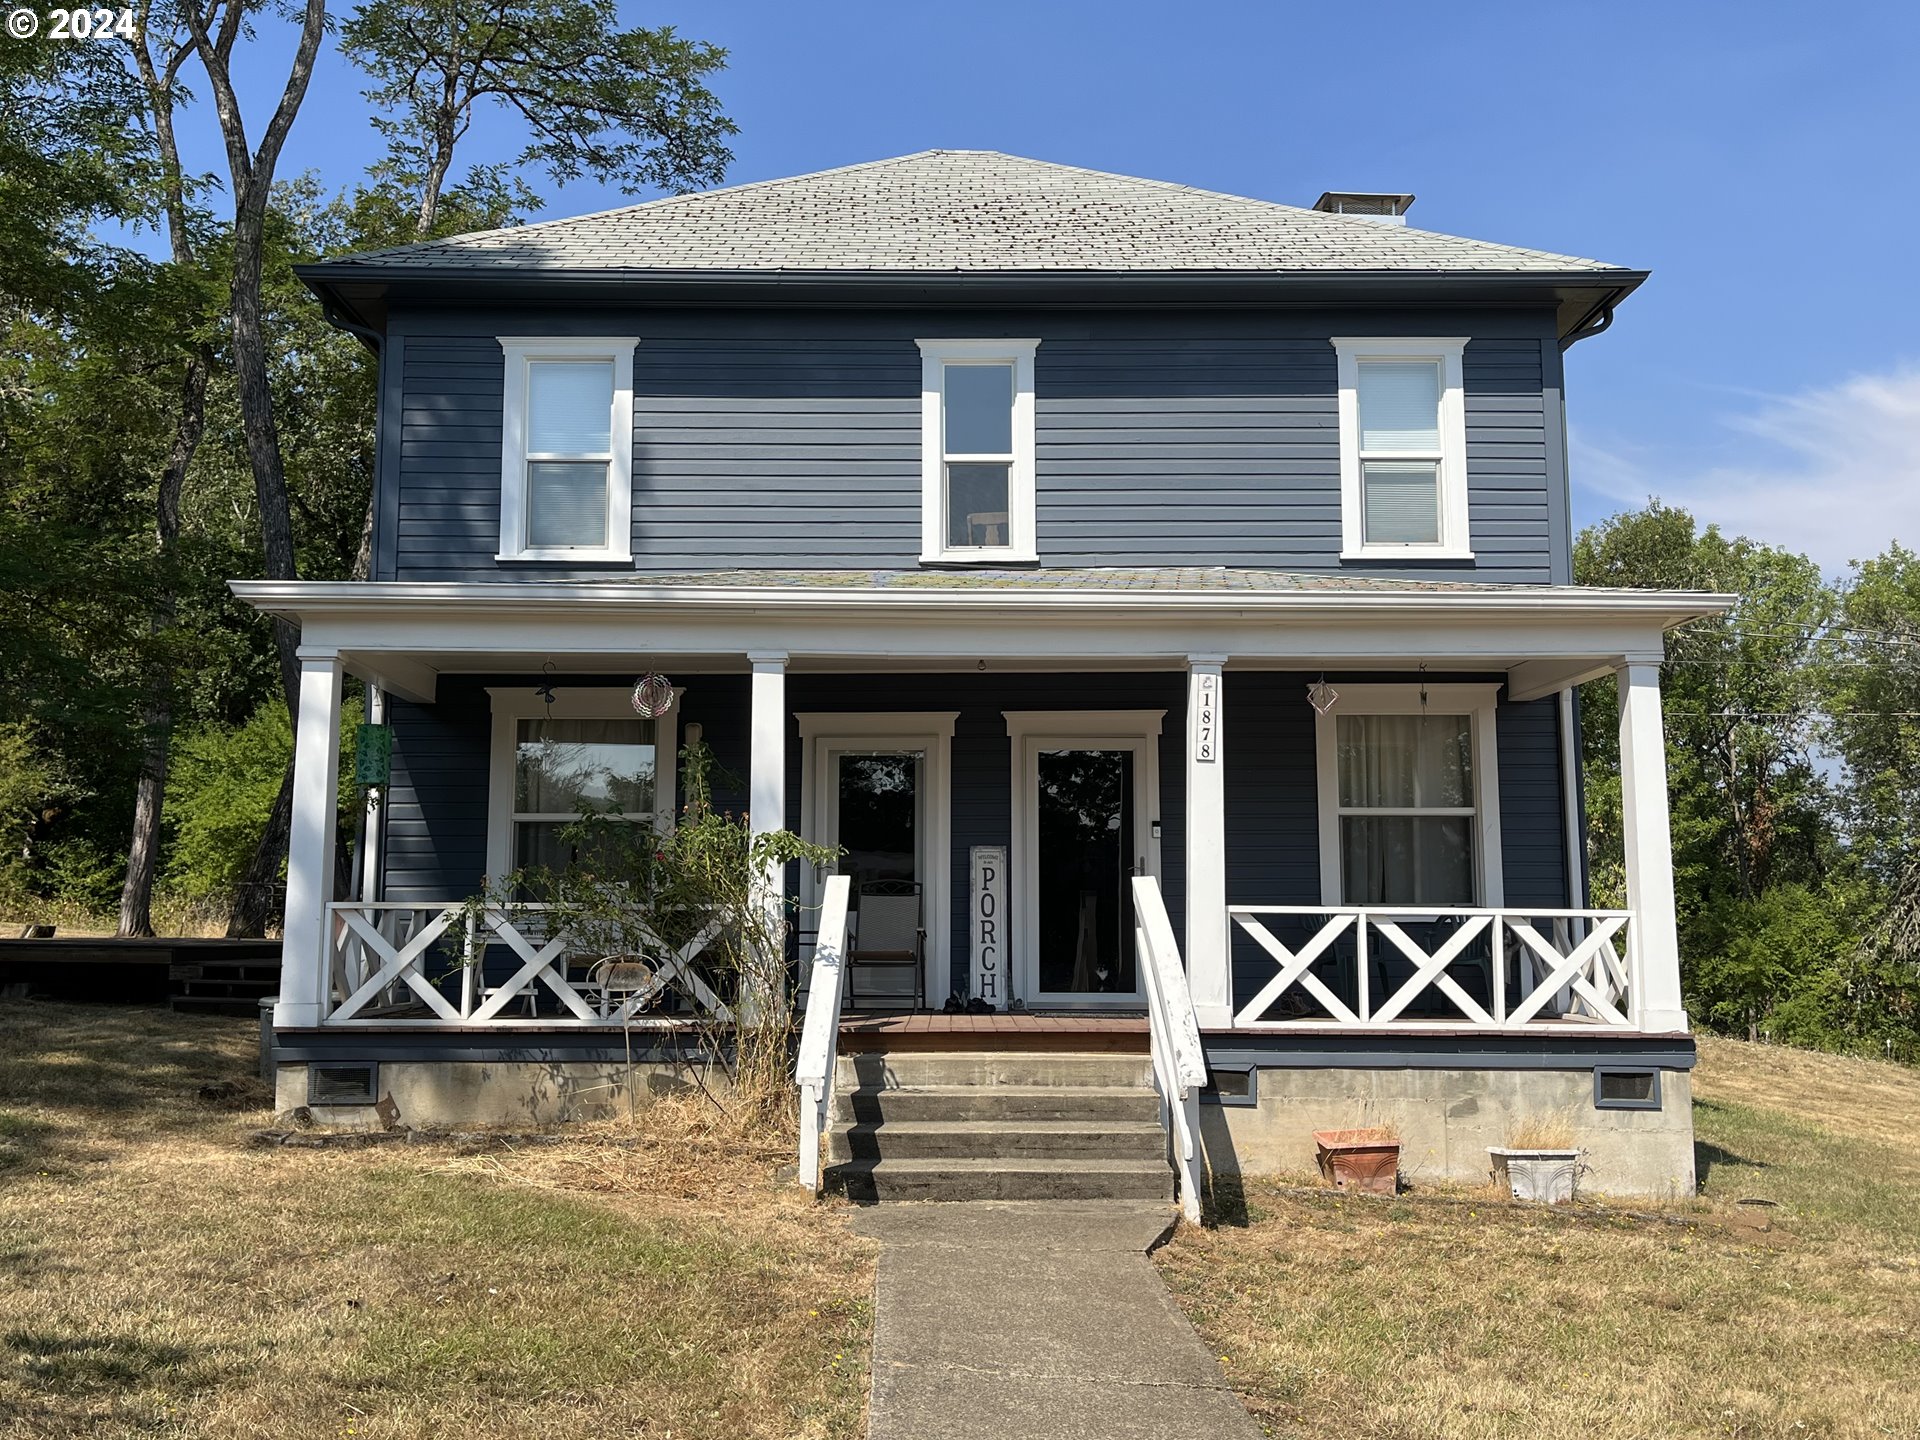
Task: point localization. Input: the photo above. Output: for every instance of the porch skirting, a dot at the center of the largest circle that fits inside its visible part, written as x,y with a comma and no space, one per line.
1448,1117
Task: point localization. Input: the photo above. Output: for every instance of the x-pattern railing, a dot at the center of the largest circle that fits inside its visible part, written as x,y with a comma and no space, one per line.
382,952
1576,973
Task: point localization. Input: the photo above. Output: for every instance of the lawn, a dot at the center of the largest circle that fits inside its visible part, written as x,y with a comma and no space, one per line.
161,1277
1453,1316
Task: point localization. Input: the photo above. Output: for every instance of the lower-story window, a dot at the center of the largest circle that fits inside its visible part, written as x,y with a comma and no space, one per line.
1408,796
585,753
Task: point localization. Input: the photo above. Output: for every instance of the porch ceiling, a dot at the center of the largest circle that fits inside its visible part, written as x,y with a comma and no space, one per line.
402,635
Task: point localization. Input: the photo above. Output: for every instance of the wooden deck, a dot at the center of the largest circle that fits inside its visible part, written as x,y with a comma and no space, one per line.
937,1030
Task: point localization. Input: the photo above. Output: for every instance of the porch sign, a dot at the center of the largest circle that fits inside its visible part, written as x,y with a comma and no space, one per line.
988,922
1206,719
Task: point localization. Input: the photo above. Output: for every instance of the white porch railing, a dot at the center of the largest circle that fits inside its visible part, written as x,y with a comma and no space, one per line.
1179,1062
1574,973
387,956
819,1059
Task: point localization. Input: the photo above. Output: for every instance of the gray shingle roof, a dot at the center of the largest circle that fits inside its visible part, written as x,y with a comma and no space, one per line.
944,211
1189,579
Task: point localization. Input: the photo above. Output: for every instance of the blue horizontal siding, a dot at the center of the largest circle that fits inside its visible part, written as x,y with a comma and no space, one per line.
767,440
436,827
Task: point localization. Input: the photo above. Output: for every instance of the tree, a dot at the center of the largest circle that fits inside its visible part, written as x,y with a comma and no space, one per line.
628,107
159,80
1751,809
215,31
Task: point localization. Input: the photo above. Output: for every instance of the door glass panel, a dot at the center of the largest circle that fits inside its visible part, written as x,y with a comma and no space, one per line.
879,820
1086,851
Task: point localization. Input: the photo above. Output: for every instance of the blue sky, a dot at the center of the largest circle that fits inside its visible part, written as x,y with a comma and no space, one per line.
1759,159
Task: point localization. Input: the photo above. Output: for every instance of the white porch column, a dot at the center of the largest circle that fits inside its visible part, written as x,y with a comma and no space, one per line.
767,771
1209,965
1649,849
304,958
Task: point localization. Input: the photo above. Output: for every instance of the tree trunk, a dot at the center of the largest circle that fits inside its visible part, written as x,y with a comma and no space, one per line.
254,902
143,849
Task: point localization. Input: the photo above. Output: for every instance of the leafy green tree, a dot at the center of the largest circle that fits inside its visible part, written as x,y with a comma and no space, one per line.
630,107
1744,704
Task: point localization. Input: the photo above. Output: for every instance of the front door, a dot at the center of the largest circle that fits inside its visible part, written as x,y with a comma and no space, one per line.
1085,830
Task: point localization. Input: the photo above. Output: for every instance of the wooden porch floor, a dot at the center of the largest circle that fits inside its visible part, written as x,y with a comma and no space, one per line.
865,1030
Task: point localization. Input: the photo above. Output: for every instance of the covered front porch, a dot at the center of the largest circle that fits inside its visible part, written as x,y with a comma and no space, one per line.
1358,799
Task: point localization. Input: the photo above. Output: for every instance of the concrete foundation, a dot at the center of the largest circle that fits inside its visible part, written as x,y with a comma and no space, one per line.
1448,1118
458,1094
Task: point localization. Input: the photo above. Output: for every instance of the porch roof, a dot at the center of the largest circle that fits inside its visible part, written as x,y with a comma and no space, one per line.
402,634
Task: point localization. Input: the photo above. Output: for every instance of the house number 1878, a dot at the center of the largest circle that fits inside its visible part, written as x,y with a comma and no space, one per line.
1206,720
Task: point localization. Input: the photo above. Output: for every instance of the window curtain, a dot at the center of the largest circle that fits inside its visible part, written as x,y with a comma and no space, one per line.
1406,763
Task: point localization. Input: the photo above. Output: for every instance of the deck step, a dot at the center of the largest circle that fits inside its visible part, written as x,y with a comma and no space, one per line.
951,1179
1090,1104
1050,1070
1002,1140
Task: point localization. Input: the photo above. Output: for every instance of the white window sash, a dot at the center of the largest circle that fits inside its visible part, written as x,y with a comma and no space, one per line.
522,352
1454,543
1021,546
1478,701
513,703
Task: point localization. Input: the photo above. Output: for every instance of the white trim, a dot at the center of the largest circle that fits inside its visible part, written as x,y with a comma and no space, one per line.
1480,701
1031,731
825,734
513,703
1209,940
306,980
1455,543
935,355
522,351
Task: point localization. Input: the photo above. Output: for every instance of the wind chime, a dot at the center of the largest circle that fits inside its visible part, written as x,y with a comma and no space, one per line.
652,695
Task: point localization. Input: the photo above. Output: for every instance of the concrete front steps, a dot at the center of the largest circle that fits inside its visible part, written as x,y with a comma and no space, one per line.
933,1125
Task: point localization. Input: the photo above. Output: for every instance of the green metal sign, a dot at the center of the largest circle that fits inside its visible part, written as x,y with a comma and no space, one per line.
372,755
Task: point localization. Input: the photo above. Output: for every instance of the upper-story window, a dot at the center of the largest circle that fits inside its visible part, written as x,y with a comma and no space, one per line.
977,451
566,467
1403,450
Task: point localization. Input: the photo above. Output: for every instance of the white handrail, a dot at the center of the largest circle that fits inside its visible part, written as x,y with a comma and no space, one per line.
819,1058
1179,1061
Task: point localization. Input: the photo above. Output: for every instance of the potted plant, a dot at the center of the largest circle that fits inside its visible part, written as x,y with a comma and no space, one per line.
1539,1160
1365,1159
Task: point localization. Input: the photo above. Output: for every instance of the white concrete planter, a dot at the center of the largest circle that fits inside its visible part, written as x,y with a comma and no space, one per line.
1544,1175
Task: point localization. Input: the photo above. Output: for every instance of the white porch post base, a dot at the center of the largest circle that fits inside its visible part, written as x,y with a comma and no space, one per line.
304,978
1649,851
767,784
1209,964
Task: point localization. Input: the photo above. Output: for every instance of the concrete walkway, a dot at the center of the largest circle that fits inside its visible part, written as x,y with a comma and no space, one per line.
1040,1321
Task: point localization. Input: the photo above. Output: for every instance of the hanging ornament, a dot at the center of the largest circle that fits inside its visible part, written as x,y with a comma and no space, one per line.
1321,695
545,691
652,695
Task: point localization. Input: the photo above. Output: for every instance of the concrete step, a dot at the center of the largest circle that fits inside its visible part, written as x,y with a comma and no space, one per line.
1052,1070
955,1179
1085,1104
1002,1139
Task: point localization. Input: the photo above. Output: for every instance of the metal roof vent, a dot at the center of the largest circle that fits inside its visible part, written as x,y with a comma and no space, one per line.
1371,205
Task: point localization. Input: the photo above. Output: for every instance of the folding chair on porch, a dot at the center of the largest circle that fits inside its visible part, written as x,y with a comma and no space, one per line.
889,935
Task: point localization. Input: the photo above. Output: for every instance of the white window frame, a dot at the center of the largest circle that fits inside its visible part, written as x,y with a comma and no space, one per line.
522,352
1480,702
935,356
512,704
1454,543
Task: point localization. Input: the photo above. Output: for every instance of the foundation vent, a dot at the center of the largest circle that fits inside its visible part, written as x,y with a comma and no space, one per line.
343,1084
1619,1088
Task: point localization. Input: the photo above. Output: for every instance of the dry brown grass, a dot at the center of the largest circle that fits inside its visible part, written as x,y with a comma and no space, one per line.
160,1277
1348,1317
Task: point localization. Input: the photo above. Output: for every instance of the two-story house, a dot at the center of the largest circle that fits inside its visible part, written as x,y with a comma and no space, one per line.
1126,575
